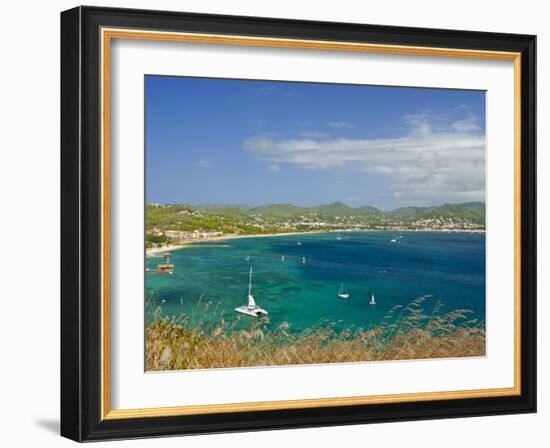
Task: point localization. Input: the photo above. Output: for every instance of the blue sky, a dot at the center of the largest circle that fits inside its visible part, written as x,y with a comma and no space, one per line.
263,142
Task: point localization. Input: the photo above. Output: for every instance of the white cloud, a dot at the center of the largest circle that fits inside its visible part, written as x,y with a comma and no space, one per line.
275,168
205,164
341,124
428,164
468,124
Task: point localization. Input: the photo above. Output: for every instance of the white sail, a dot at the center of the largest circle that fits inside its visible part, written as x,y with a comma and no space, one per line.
372,300
251,301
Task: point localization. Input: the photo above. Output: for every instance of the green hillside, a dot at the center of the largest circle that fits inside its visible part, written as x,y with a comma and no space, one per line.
277,210
242,218
474,211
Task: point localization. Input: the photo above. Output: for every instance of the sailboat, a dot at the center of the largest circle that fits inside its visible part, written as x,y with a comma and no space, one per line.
251,309
299,243
341,293
282,258
372,300
338,237
248,258
303,260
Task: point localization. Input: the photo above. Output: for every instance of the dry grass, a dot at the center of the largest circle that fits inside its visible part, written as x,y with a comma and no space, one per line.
405,333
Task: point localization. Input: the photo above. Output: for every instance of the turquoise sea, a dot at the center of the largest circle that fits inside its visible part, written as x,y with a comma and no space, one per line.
446,266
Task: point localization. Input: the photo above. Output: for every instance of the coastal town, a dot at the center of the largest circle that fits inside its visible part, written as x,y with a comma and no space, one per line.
180,224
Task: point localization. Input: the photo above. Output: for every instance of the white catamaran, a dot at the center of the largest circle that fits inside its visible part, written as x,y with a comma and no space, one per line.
341,293
251,309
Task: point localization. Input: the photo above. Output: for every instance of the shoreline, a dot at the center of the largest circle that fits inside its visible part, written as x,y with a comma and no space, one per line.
185,244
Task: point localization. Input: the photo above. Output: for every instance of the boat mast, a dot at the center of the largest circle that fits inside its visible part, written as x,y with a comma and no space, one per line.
250,282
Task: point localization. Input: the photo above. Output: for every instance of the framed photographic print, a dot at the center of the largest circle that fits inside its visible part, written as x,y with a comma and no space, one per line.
273,223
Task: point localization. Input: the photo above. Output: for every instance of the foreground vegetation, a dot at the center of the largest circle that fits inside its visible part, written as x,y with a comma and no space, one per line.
410,332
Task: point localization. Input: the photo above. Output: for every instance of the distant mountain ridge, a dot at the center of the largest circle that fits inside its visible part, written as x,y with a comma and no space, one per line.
242,218
470,210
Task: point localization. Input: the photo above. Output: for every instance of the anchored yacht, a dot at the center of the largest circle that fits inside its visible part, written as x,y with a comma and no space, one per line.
251,309
341,293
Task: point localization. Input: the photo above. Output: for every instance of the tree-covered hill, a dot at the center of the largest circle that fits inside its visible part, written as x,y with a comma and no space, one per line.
241,218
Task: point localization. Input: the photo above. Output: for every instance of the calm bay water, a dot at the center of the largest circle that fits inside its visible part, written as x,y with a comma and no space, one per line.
447,266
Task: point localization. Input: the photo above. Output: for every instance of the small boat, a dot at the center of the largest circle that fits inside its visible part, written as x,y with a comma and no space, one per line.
393,240
248,258
251,309
338,237
341,293
165,268
282,258
303,260
372,300
299,243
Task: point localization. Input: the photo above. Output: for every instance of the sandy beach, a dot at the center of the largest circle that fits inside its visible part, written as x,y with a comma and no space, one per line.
184,244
